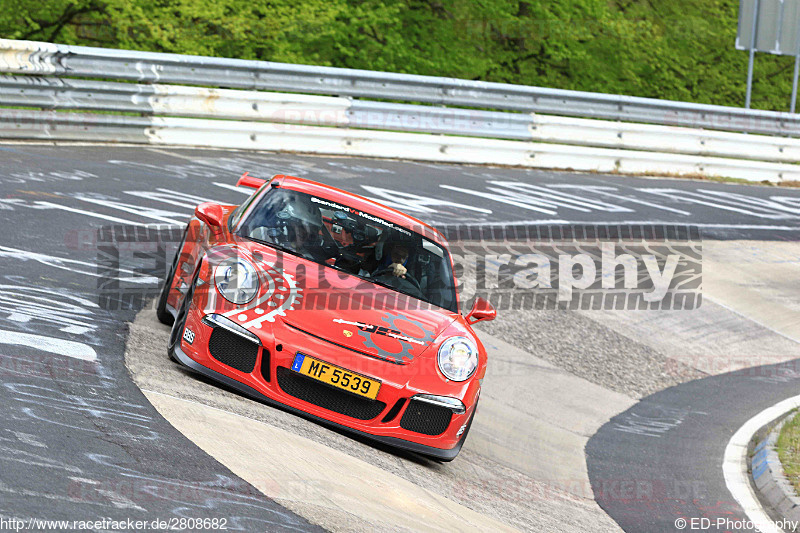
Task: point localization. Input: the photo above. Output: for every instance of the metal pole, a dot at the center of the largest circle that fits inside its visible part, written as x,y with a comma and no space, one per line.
796,69
794,84
752,56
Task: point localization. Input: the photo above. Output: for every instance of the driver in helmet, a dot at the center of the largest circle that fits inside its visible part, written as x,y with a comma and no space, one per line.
300,227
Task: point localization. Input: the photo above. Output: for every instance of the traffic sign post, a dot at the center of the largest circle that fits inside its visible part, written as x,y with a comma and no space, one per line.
796,72
754,26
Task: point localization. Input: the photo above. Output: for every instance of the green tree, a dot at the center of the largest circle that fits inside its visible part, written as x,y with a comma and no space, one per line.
655,48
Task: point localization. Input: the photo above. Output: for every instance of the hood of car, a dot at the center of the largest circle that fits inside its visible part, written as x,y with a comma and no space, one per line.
358,320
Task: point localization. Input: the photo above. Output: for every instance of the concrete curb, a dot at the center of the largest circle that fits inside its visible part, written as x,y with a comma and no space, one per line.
770,480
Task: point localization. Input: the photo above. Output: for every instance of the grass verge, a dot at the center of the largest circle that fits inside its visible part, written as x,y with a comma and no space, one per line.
788,446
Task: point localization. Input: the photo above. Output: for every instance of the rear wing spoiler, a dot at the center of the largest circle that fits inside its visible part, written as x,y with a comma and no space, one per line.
246,180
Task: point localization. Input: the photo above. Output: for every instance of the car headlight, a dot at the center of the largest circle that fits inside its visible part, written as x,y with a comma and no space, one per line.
236,280
458,358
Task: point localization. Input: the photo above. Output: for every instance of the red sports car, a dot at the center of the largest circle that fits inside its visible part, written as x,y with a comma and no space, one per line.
333,306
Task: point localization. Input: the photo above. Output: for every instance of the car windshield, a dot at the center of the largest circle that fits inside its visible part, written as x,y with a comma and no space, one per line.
348,239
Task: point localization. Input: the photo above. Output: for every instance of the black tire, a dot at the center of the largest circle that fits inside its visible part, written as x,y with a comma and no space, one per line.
177,328
164,316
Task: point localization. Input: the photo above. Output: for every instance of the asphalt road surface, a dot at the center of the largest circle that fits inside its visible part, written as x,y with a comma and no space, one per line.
661,460
78,439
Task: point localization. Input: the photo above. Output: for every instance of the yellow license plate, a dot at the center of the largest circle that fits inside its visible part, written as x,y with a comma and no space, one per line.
336,376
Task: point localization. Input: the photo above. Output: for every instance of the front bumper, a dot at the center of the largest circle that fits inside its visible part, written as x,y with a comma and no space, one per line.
445,446
444,455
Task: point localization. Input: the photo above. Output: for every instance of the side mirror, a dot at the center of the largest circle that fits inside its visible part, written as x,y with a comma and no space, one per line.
249,181
481,310
211,214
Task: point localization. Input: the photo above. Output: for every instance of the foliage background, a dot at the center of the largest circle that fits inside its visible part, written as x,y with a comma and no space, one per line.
673,49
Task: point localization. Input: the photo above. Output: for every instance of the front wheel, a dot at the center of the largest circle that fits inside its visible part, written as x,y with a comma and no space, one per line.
180,321
164,316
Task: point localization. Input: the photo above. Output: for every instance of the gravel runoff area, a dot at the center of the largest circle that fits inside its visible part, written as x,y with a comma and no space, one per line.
748,317
590,350
472,480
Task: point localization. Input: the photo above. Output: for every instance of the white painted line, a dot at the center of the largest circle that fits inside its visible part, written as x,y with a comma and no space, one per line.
611,192
532,204
63,263
76,350
142,211
750,200
406,201
739,226
559,198
167,196
544,221
633,222
700,197
50,205
248,191
117,500
734,465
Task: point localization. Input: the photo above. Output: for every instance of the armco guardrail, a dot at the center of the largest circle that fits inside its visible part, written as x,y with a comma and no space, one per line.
172,100
24,124
332,120
24,57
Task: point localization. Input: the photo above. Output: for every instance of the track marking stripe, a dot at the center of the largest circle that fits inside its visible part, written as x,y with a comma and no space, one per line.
76,350
734,465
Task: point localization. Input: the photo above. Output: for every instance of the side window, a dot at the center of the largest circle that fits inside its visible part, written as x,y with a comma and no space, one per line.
233,220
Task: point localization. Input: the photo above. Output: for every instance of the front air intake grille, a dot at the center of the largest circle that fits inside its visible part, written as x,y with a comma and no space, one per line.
312,391
425,418
265,364
233,350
